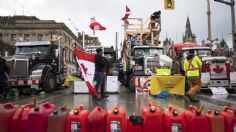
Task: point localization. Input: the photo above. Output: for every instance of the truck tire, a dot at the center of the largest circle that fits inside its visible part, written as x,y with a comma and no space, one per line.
49,83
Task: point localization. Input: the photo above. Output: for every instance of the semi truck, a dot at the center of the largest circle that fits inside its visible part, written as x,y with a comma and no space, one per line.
215,70
37,65
141,54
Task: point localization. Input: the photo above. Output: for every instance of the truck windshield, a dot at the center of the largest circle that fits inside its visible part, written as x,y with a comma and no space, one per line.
148,52
20,50
204,53
199,52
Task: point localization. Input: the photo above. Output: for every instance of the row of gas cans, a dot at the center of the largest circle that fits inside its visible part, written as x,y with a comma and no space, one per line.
47,118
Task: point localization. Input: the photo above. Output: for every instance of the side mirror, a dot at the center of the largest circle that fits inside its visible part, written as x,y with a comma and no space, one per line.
56,53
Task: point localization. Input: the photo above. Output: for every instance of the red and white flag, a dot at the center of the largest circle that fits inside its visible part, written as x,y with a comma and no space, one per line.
94,25
86,63
127,13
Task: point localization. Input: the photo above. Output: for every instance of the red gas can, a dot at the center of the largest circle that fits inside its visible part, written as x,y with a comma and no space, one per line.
196,120
174,120
97,120
216,121
38,117
6,113
57,120
77,120
152,118
116,119
229,115
20,118
134,123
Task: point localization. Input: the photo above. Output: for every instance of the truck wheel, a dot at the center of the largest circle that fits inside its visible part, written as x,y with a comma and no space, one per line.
49,83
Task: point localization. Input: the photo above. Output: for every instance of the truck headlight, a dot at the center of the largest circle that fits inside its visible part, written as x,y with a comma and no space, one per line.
37,72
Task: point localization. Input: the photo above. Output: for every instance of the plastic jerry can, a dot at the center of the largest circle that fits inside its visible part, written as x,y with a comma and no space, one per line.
38,117
116,119
229,115
216,121
152,118
196,120
20,118
57,120
134,123
97,120
174,120
77,120
7,111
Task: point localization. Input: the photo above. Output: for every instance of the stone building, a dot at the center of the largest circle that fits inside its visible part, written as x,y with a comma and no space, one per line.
88,40
29,28
189,36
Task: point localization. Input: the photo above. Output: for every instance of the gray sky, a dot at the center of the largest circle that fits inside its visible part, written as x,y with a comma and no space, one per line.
110,12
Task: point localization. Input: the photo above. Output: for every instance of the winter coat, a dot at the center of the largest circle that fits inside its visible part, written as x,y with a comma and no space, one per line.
4,71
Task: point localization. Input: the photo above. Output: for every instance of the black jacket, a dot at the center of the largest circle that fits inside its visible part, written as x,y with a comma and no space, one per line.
100,63
4,69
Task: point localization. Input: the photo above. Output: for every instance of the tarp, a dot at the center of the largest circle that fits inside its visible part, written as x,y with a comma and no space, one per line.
173,84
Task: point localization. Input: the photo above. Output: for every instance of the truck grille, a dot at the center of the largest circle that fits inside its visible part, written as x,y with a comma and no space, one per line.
152,63
18,68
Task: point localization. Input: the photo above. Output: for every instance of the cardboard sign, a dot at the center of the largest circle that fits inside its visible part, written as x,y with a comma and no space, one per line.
219,91
232,77
142,84
205,78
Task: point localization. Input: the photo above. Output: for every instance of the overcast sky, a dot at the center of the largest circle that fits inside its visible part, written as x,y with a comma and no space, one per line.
110,12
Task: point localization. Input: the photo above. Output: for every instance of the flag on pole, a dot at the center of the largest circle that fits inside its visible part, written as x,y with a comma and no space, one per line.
127,13
86,63
94,25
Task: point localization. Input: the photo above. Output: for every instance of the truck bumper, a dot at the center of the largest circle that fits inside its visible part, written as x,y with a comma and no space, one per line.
23,82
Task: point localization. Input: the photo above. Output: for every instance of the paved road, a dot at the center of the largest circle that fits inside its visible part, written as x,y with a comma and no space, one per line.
126,99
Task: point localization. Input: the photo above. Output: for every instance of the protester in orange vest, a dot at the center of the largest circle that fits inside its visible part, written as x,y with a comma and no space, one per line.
192,67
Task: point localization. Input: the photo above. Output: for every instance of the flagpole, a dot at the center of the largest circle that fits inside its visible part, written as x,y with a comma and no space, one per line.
83,39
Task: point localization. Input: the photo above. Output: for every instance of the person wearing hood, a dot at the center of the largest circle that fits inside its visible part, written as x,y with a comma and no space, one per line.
192,68
4,78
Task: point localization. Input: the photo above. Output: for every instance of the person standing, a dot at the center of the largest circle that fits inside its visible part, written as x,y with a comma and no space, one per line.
192,68
4,78
100,73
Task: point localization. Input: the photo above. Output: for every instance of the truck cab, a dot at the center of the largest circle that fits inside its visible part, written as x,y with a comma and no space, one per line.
36,64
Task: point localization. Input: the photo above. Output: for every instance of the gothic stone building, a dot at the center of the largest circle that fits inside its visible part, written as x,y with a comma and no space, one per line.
29,28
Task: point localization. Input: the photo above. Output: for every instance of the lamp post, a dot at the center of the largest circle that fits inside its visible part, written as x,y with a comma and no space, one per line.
231,4
59,52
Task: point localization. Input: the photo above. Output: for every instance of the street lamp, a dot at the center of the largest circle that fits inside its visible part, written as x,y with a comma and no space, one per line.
231,4
59,52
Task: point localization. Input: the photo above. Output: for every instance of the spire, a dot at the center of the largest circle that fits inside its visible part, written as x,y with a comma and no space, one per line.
188,36
188,30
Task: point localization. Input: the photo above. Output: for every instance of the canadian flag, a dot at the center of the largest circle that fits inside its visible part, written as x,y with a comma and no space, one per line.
86,63
94,25
127,13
